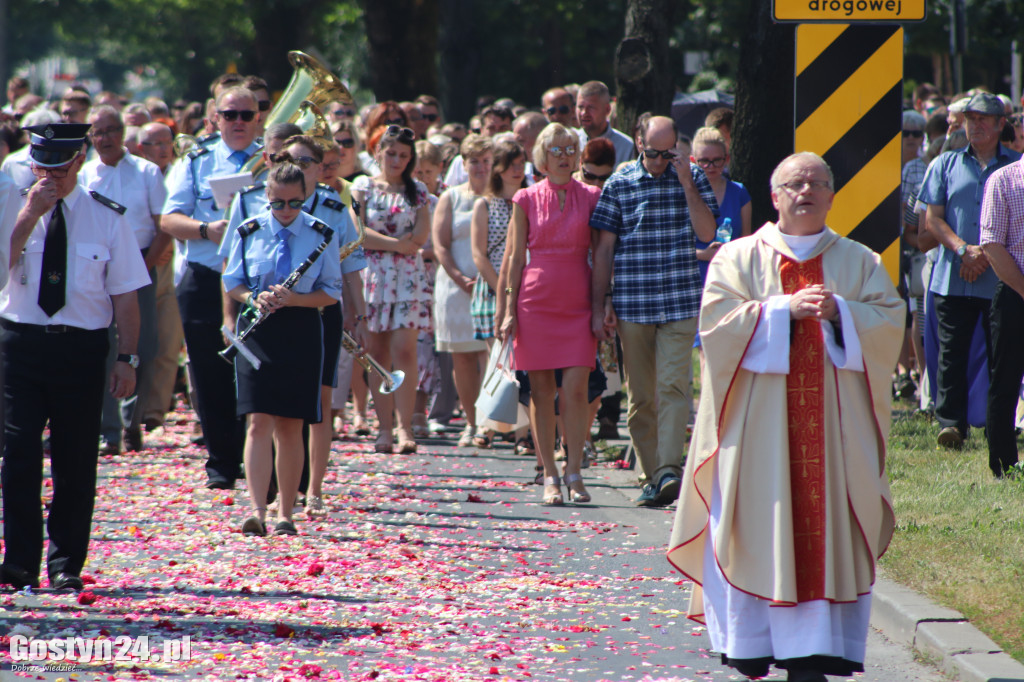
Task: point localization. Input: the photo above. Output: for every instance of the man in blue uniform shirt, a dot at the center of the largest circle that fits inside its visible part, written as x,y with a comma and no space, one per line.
192,215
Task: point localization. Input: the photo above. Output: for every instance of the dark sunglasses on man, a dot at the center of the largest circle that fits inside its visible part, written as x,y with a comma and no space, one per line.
919,134
403,134
655,153
344,113
231,115
347,143
561,109
430,117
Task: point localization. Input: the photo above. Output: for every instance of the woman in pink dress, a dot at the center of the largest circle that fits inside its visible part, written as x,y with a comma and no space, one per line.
546,308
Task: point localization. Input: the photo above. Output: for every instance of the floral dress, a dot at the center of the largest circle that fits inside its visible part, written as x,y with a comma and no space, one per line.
396,289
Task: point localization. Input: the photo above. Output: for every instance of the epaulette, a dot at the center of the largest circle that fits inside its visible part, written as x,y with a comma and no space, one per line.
325,186
109,203
196,152
248,227
252,188
333,204
321,227
207,139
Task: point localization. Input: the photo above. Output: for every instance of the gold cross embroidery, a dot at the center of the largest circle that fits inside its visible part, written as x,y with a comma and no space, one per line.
802,390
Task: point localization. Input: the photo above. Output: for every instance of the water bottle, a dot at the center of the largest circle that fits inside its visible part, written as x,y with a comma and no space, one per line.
724,232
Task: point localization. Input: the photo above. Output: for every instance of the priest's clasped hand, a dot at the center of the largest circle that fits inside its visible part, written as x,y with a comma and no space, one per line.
815,302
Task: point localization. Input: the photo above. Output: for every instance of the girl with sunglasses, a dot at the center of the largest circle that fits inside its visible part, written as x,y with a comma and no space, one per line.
397,217
284,392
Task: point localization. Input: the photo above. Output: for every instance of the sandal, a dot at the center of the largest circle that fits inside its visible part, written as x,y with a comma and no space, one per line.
482,439
524,446
468,434
253,527
552,499
360,426
385,444
285,528
419,426
315,507
589,454
406,442
580,496
539,478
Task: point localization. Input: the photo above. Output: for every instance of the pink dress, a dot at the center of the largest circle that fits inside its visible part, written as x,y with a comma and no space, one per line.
553,307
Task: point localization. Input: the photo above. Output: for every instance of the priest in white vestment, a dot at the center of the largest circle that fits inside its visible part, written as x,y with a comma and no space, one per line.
785,506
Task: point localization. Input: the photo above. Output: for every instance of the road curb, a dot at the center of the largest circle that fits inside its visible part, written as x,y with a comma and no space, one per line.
942,634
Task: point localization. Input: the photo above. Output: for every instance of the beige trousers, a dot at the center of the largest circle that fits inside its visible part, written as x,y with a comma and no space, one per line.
170,339
658,366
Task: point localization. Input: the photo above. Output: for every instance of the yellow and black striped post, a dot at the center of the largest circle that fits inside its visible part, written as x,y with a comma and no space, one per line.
848,109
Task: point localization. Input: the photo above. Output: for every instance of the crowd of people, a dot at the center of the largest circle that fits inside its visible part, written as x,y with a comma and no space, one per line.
428,242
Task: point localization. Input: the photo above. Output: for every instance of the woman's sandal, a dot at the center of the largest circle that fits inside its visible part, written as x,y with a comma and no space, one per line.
482,439
539,478
360,426
406,442
385,444
553,499
524,446
576,496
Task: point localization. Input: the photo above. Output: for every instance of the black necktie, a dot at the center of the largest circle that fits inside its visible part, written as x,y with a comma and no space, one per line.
55,263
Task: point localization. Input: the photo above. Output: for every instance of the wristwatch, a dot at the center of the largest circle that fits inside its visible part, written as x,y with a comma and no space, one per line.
961,250
132,360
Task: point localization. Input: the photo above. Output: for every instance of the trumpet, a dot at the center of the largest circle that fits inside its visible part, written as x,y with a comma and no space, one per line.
390,381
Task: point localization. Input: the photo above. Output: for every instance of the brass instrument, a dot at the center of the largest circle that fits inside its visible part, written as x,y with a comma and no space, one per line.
390,381
311,88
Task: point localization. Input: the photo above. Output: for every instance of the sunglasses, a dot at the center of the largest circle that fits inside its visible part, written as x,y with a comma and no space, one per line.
300,161
430,117
344,112
594,176
264,105
913,133
404,134
394,121
665,154
231,115
563,109
716,162
559,152
347,143
279,204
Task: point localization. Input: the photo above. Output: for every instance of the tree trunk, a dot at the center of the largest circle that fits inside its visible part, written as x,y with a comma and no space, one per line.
402,36
461,49
643,76
762,132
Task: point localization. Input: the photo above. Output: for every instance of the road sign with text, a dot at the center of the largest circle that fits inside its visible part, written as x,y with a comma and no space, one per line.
848,11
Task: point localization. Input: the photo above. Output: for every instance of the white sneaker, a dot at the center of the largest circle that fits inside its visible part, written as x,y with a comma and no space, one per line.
435,426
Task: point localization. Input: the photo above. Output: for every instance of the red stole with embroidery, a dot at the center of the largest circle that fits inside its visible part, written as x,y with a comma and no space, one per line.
805,388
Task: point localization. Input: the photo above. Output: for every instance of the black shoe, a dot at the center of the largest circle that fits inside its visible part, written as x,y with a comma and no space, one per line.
668,490
133,439
18,578
951,438
804,675
285,528
67,581
152,424
109,447
220,483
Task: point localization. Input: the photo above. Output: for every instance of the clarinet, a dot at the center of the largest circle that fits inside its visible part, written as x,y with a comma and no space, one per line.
257,316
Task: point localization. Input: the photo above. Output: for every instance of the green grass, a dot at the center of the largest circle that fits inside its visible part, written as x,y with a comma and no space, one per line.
959,531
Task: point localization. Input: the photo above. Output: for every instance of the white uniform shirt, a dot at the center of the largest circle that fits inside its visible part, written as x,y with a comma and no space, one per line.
134,183
103,261
10,204
17,168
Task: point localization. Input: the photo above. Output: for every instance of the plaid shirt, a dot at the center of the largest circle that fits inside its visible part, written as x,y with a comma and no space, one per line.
656,275
1002,211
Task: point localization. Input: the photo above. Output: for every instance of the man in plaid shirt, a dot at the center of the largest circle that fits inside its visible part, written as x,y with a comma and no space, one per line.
1002,241
647,216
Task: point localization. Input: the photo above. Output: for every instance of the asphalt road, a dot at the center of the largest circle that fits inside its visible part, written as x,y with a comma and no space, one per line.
436,566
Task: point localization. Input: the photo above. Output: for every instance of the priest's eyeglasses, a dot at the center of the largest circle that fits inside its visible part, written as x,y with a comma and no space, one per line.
798,186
